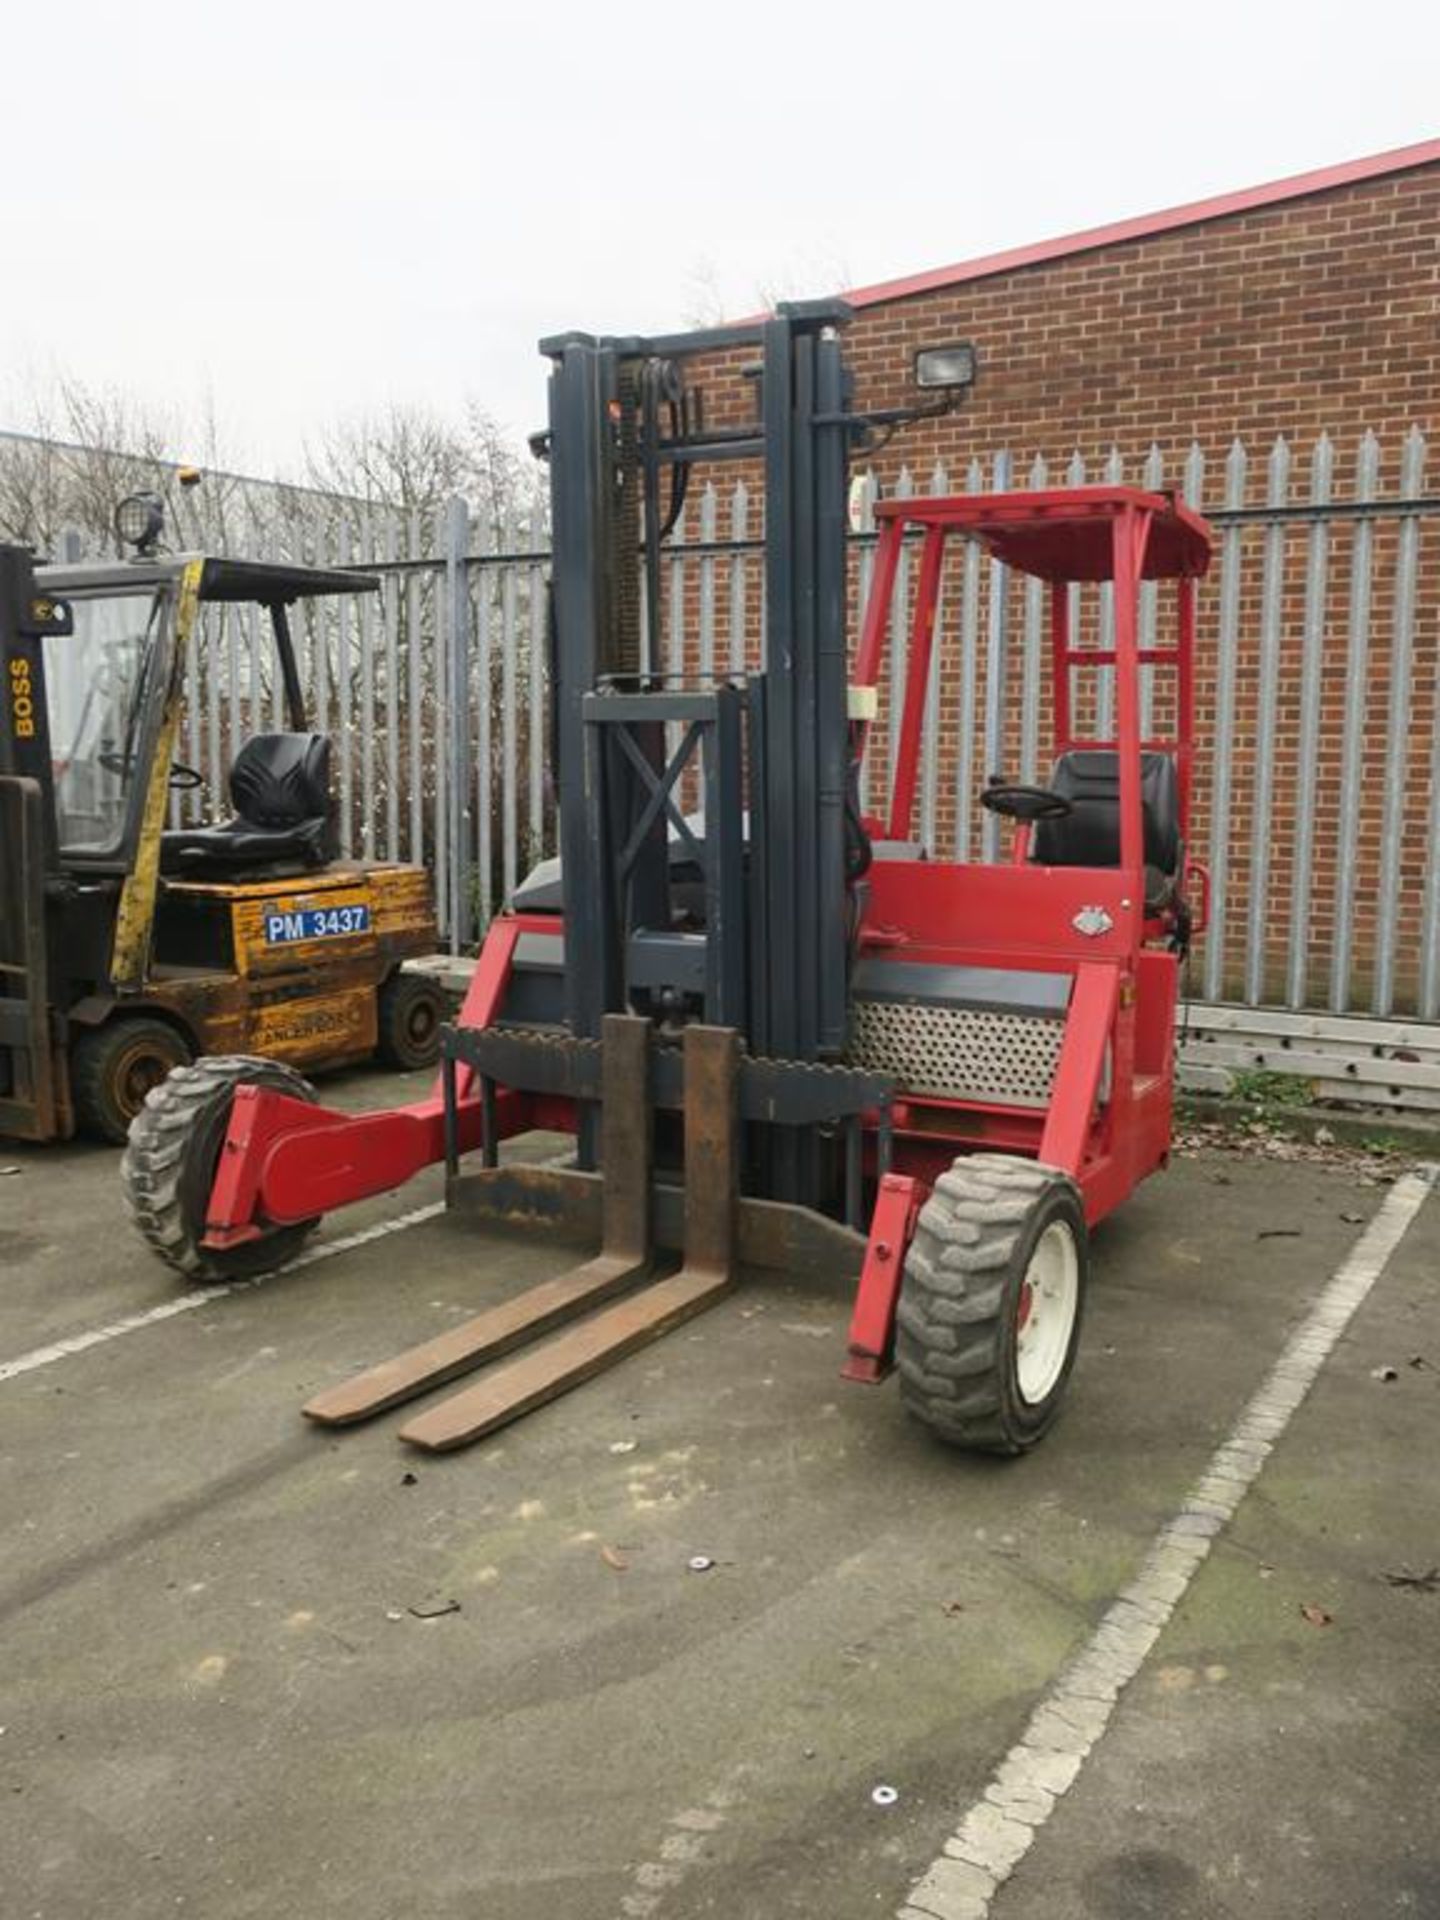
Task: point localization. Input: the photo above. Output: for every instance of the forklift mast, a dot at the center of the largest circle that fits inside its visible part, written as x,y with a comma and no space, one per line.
770,752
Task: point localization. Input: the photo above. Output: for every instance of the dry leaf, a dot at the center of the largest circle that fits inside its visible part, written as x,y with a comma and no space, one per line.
613,1557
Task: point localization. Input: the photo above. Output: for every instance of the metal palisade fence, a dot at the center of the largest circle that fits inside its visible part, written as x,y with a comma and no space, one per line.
1318,688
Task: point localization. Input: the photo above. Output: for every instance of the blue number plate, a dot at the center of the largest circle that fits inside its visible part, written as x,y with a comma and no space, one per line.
314,923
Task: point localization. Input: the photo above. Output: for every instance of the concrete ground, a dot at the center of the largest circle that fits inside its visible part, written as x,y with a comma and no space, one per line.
220,1695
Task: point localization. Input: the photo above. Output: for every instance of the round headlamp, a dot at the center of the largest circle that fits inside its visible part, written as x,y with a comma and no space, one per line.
139,519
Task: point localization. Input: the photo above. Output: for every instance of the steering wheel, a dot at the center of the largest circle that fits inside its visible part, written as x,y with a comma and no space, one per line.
182,778
1024,803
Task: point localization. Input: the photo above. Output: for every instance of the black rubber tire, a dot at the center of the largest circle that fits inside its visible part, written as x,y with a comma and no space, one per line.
957,1321
113,1067
169,1167
410,1011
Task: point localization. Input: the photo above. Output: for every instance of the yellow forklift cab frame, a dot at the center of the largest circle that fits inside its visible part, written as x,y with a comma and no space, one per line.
192,965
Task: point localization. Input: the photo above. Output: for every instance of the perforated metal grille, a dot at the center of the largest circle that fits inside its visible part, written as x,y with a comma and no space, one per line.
959,1053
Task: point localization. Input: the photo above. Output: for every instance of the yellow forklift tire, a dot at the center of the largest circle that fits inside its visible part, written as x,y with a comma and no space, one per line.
169,1167
990,1307
113,1068
410,1011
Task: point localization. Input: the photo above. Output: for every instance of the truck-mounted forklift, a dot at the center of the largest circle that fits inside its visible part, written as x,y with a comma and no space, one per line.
781,1032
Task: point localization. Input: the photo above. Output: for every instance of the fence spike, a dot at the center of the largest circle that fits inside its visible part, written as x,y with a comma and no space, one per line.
1235,470
1277,475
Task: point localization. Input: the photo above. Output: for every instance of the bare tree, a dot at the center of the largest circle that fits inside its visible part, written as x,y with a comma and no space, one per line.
81,451
704,303
410,460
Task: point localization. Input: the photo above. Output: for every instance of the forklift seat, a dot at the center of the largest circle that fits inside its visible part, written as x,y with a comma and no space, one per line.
1089,835
280,790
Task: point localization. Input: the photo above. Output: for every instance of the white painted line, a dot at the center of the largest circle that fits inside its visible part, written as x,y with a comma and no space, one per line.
195,1297
1000,1828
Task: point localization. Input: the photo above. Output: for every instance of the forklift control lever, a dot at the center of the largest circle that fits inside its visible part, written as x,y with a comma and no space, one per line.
182,778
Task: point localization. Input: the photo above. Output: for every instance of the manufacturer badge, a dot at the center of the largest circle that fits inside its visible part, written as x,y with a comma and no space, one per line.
1092,921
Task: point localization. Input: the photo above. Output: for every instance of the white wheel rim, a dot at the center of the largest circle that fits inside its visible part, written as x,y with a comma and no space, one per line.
1045,1313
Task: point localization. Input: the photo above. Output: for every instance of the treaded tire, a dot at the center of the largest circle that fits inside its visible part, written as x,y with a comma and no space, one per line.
409,1013
113,1067
169,1165
957,1325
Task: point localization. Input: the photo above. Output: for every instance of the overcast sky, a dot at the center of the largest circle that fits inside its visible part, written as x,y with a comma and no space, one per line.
295,213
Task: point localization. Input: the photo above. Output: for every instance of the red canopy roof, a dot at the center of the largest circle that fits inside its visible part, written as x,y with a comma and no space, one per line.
1066,533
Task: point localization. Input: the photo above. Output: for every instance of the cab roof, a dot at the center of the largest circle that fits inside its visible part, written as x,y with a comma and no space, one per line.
245,582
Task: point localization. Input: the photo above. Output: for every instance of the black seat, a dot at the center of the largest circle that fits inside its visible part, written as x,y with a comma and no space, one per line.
1089,835
280,790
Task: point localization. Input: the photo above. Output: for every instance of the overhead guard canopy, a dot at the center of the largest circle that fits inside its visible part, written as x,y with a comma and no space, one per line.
264,582
1066,534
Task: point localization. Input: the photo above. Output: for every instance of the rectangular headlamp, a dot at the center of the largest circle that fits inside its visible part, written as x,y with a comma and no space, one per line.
947,366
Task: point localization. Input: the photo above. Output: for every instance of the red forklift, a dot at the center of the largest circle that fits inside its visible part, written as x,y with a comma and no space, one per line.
781,1033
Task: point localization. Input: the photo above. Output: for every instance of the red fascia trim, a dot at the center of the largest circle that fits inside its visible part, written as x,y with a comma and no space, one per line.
1294,187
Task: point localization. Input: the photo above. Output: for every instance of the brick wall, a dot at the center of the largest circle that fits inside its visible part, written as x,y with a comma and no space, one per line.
1317,314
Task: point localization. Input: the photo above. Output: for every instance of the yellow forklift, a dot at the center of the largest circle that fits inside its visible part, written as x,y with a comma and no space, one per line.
128,949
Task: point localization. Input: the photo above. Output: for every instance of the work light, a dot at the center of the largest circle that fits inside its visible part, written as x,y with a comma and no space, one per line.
139,519
947,366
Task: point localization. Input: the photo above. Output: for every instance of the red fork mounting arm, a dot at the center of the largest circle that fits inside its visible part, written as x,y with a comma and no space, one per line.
872,1323
284,1160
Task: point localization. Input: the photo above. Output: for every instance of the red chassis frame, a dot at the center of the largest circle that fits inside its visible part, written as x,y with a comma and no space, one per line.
285,1161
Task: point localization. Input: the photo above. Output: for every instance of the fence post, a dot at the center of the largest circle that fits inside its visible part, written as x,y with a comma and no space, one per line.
457,680
1038,480
390,590
509,708
1397,728
484,724
366,612
1317,564
1153,480
1277,495
969,675
930,734
535,694
1223,750
1352,750
996,650
414,690
1113,476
